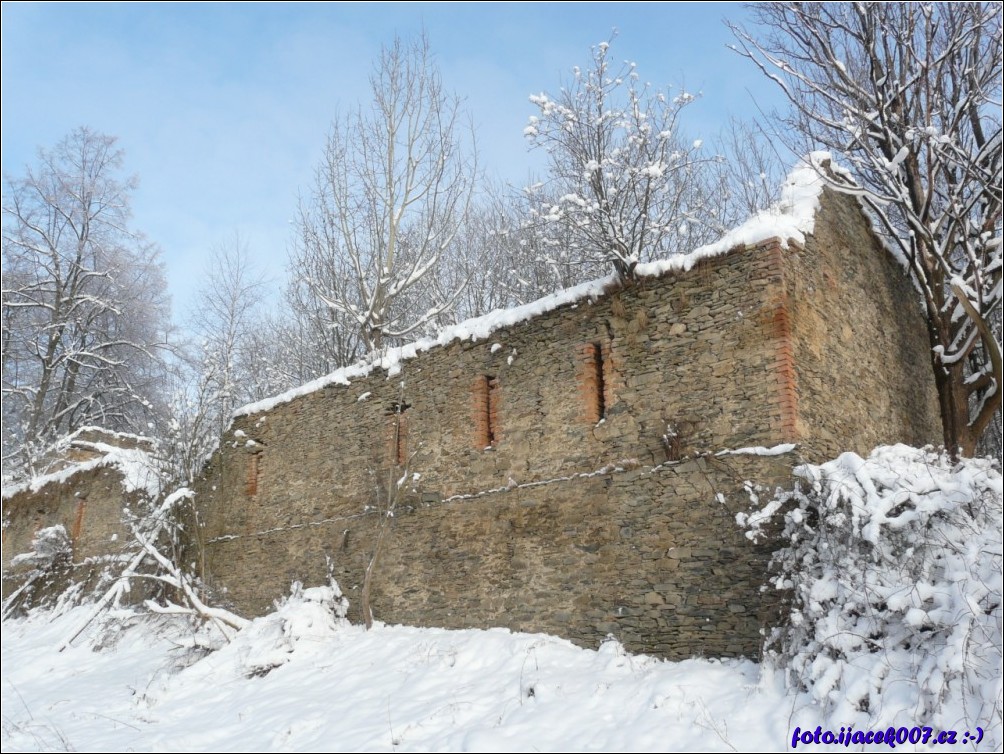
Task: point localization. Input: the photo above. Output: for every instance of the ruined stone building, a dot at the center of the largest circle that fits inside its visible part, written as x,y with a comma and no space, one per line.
576,466
567,467
93,478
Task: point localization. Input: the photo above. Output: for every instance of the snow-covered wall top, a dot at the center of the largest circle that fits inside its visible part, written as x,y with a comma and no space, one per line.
139,471
121,438
790,219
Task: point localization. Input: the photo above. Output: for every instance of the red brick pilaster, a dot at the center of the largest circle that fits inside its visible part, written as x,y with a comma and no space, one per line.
486,398
784,355
251,485
78,520
397,438
592,366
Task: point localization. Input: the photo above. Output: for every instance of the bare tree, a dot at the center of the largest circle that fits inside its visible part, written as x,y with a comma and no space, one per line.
624,184
320,337
190,429
227,310
219,369
392,189
498,261
85,311
286,351
748,172
907,95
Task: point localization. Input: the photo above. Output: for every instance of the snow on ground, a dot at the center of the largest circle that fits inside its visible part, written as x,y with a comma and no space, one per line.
302,679
899,629
339,687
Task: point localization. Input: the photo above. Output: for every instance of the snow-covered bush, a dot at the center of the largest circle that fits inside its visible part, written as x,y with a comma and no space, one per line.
42,571
893,566
50,547
310,615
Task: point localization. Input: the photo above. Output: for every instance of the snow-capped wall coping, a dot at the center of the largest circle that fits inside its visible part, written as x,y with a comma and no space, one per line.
790,219
122,438
139,470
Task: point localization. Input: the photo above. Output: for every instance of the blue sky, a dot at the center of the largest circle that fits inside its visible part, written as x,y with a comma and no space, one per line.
223,109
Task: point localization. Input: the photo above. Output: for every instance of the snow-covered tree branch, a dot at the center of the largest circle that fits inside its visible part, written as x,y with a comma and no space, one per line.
624,185
85,311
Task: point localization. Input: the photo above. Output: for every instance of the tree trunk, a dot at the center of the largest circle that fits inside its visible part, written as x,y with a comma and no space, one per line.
953,401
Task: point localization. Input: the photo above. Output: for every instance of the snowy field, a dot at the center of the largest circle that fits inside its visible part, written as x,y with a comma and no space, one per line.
339,687
303,680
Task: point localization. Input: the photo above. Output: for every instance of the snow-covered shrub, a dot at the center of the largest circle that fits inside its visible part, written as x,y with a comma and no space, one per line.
41,571
893,566
307,615
50,547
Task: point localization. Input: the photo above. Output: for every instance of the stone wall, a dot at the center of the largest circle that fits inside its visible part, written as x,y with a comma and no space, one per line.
684,351
649,555
860,348
95,476
88,504
563,475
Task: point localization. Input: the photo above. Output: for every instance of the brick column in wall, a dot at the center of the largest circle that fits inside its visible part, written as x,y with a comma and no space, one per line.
78,520
251,486
593,368
397,438
486,397
784,355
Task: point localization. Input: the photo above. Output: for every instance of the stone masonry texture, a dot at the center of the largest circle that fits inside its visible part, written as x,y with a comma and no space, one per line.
563,475
89,505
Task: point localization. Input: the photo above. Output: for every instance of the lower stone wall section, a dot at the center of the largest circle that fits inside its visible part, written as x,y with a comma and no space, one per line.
650,555
88,504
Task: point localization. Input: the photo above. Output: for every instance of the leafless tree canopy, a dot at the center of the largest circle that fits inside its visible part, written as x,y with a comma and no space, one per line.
84,304
228,308
223,366
624,186
391,191
908,97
